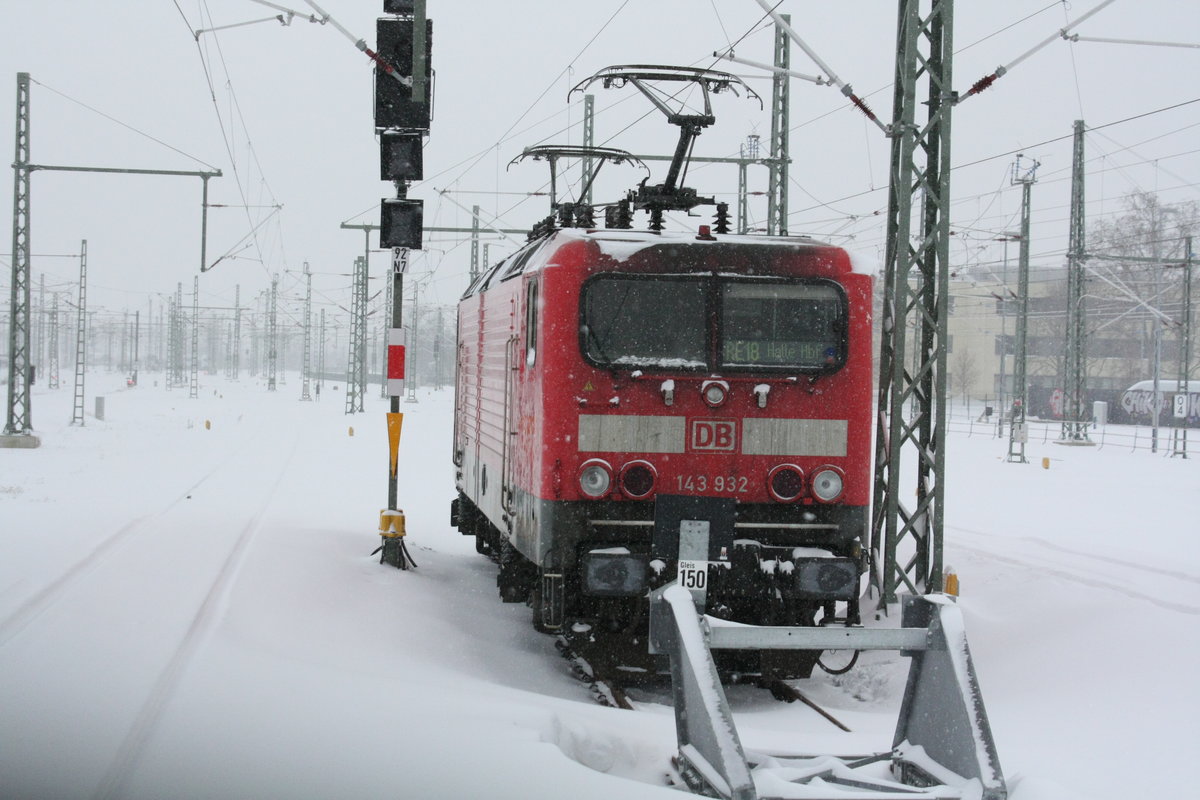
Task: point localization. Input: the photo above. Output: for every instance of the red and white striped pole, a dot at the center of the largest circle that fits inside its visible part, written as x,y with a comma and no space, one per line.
395,362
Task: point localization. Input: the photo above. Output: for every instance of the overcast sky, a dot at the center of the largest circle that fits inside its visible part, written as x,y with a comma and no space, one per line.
285,112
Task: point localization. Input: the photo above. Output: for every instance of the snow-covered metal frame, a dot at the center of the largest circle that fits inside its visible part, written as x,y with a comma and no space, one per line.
912,397
942,743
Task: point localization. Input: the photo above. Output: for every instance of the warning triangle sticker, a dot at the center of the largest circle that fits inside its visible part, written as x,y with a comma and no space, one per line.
587,387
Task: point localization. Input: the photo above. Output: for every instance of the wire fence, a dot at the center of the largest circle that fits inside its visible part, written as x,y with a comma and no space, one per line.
1171,441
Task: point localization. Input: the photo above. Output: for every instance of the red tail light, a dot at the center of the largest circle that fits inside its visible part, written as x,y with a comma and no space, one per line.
785,483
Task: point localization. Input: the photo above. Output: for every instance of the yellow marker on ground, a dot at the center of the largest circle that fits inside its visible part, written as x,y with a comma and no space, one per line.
391,523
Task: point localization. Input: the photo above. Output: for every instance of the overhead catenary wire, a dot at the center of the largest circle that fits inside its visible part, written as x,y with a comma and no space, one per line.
865,218
777,70
544,92
361,44
1014,151
483,226
226,135
832,76
987,80
125,125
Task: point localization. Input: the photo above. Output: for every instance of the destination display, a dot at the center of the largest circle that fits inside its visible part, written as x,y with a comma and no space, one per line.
771,352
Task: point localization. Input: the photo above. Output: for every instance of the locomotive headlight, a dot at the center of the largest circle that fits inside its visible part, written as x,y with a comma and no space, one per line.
614,572
714,392
826,578
827,484
595,478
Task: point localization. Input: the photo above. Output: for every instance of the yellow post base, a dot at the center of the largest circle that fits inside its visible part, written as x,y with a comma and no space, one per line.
391,523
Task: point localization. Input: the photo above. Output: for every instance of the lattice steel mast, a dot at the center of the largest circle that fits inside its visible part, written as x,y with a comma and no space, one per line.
80,338
235,366
39,353
587,165
1179,434
20,417
384,325
777,188
356,378
1074,424
475,243
906,543
1017,432
321,356
410,384
52,378
306,380
272,334
177,338
194,370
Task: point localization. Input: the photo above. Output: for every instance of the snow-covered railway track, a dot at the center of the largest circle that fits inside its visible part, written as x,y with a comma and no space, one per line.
158,585
45,597
605,690
609,690
1086,569
123,764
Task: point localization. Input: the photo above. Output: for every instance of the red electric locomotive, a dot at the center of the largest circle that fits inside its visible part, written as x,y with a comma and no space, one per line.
600,369
613,385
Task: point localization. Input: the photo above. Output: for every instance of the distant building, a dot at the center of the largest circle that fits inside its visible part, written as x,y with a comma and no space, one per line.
982,341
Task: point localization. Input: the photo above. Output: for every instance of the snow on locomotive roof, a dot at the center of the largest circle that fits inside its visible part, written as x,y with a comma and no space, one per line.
865,263
621,244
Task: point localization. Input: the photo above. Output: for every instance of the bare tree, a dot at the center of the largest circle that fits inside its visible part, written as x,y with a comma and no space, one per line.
1125,291
964,371
1120,324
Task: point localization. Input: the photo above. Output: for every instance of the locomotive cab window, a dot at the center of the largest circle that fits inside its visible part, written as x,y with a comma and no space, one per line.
654,322
797,326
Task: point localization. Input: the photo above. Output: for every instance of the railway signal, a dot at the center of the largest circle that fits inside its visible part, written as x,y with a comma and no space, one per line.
403,110
399,102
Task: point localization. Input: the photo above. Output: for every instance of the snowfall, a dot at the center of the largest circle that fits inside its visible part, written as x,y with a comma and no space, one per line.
189,607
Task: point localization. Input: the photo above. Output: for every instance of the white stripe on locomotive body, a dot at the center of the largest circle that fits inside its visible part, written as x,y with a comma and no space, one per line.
628,433
794,437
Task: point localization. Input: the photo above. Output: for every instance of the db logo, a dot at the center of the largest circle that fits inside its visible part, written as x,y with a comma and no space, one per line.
714,434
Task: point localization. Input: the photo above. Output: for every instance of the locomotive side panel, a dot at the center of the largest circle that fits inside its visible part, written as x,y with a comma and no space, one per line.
485,335
466,398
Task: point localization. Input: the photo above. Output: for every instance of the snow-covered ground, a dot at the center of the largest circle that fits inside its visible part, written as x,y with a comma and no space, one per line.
188,608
